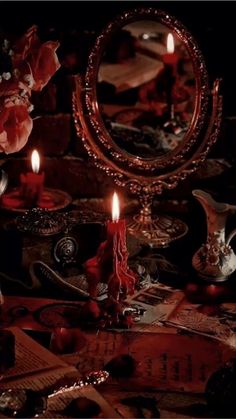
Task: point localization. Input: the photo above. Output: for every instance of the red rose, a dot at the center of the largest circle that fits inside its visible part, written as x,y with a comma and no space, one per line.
41,58
15,127
33,65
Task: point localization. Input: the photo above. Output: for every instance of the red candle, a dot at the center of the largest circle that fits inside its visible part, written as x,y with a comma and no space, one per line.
170,59
116,226
110,265
122,278
32,182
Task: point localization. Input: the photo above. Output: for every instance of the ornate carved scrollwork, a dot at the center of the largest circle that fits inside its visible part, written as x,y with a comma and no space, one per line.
141,185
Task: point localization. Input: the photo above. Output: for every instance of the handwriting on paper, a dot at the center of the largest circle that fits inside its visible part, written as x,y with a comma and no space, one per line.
165,361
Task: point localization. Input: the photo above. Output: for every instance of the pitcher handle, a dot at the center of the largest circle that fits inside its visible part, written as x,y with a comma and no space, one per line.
230,237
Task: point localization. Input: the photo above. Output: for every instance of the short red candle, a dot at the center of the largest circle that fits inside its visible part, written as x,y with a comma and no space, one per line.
31,187
170,59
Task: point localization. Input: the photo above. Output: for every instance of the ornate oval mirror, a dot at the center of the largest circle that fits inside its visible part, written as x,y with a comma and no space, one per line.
146,90
144,112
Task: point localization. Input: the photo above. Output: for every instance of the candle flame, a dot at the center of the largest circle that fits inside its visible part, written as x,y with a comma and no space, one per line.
35,161
115,207
170,44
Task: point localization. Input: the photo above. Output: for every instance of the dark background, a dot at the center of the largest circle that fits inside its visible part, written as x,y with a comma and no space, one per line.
213,25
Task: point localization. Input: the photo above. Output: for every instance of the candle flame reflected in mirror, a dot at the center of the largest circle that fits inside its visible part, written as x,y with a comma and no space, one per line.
115,208
170,44
35,161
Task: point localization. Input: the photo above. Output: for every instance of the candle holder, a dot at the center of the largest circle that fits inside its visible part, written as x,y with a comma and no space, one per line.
40,222
31,192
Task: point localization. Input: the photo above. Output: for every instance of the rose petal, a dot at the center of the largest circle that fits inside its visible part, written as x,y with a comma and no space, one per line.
8,87
15,128
24,45
44,63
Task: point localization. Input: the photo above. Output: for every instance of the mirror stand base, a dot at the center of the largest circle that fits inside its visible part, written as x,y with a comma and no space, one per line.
157,231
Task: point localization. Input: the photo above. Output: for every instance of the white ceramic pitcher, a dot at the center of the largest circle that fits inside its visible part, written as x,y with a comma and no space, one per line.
215,260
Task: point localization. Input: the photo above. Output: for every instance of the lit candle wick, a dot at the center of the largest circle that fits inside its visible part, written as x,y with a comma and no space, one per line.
115,208
35,161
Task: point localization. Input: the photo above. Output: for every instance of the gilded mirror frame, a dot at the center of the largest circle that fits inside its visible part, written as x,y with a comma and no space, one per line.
146,178
102,137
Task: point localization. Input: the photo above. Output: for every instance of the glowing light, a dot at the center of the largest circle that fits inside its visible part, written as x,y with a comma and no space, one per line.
115,208
170,44
35,161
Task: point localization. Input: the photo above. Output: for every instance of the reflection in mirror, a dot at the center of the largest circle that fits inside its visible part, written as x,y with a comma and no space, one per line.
146,89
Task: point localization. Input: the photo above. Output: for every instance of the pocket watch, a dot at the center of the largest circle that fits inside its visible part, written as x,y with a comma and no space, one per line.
22,403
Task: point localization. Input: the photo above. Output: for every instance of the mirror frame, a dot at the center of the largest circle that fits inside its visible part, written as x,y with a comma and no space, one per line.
146,176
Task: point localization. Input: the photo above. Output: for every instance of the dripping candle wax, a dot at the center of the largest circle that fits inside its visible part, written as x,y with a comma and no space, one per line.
32,182
170,60
110,266
121,280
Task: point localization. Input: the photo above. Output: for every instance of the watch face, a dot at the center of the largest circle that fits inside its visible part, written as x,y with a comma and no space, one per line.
12,400
66,250
21,403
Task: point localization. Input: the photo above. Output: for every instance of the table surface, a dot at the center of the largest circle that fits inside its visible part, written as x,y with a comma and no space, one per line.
170,404
174,269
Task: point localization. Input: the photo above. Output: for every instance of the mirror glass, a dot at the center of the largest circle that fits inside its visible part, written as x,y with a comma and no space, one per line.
146,89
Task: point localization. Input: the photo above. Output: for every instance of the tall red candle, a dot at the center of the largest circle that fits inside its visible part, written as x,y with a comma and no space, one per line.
110,265
122,279
116,226
170,60
115,242
31,183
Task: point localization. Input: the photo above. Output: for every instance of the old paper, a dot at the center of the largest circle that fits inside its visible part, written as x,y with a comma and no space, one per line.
133,73
32,360
165,361
156,302
216,321
36,368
